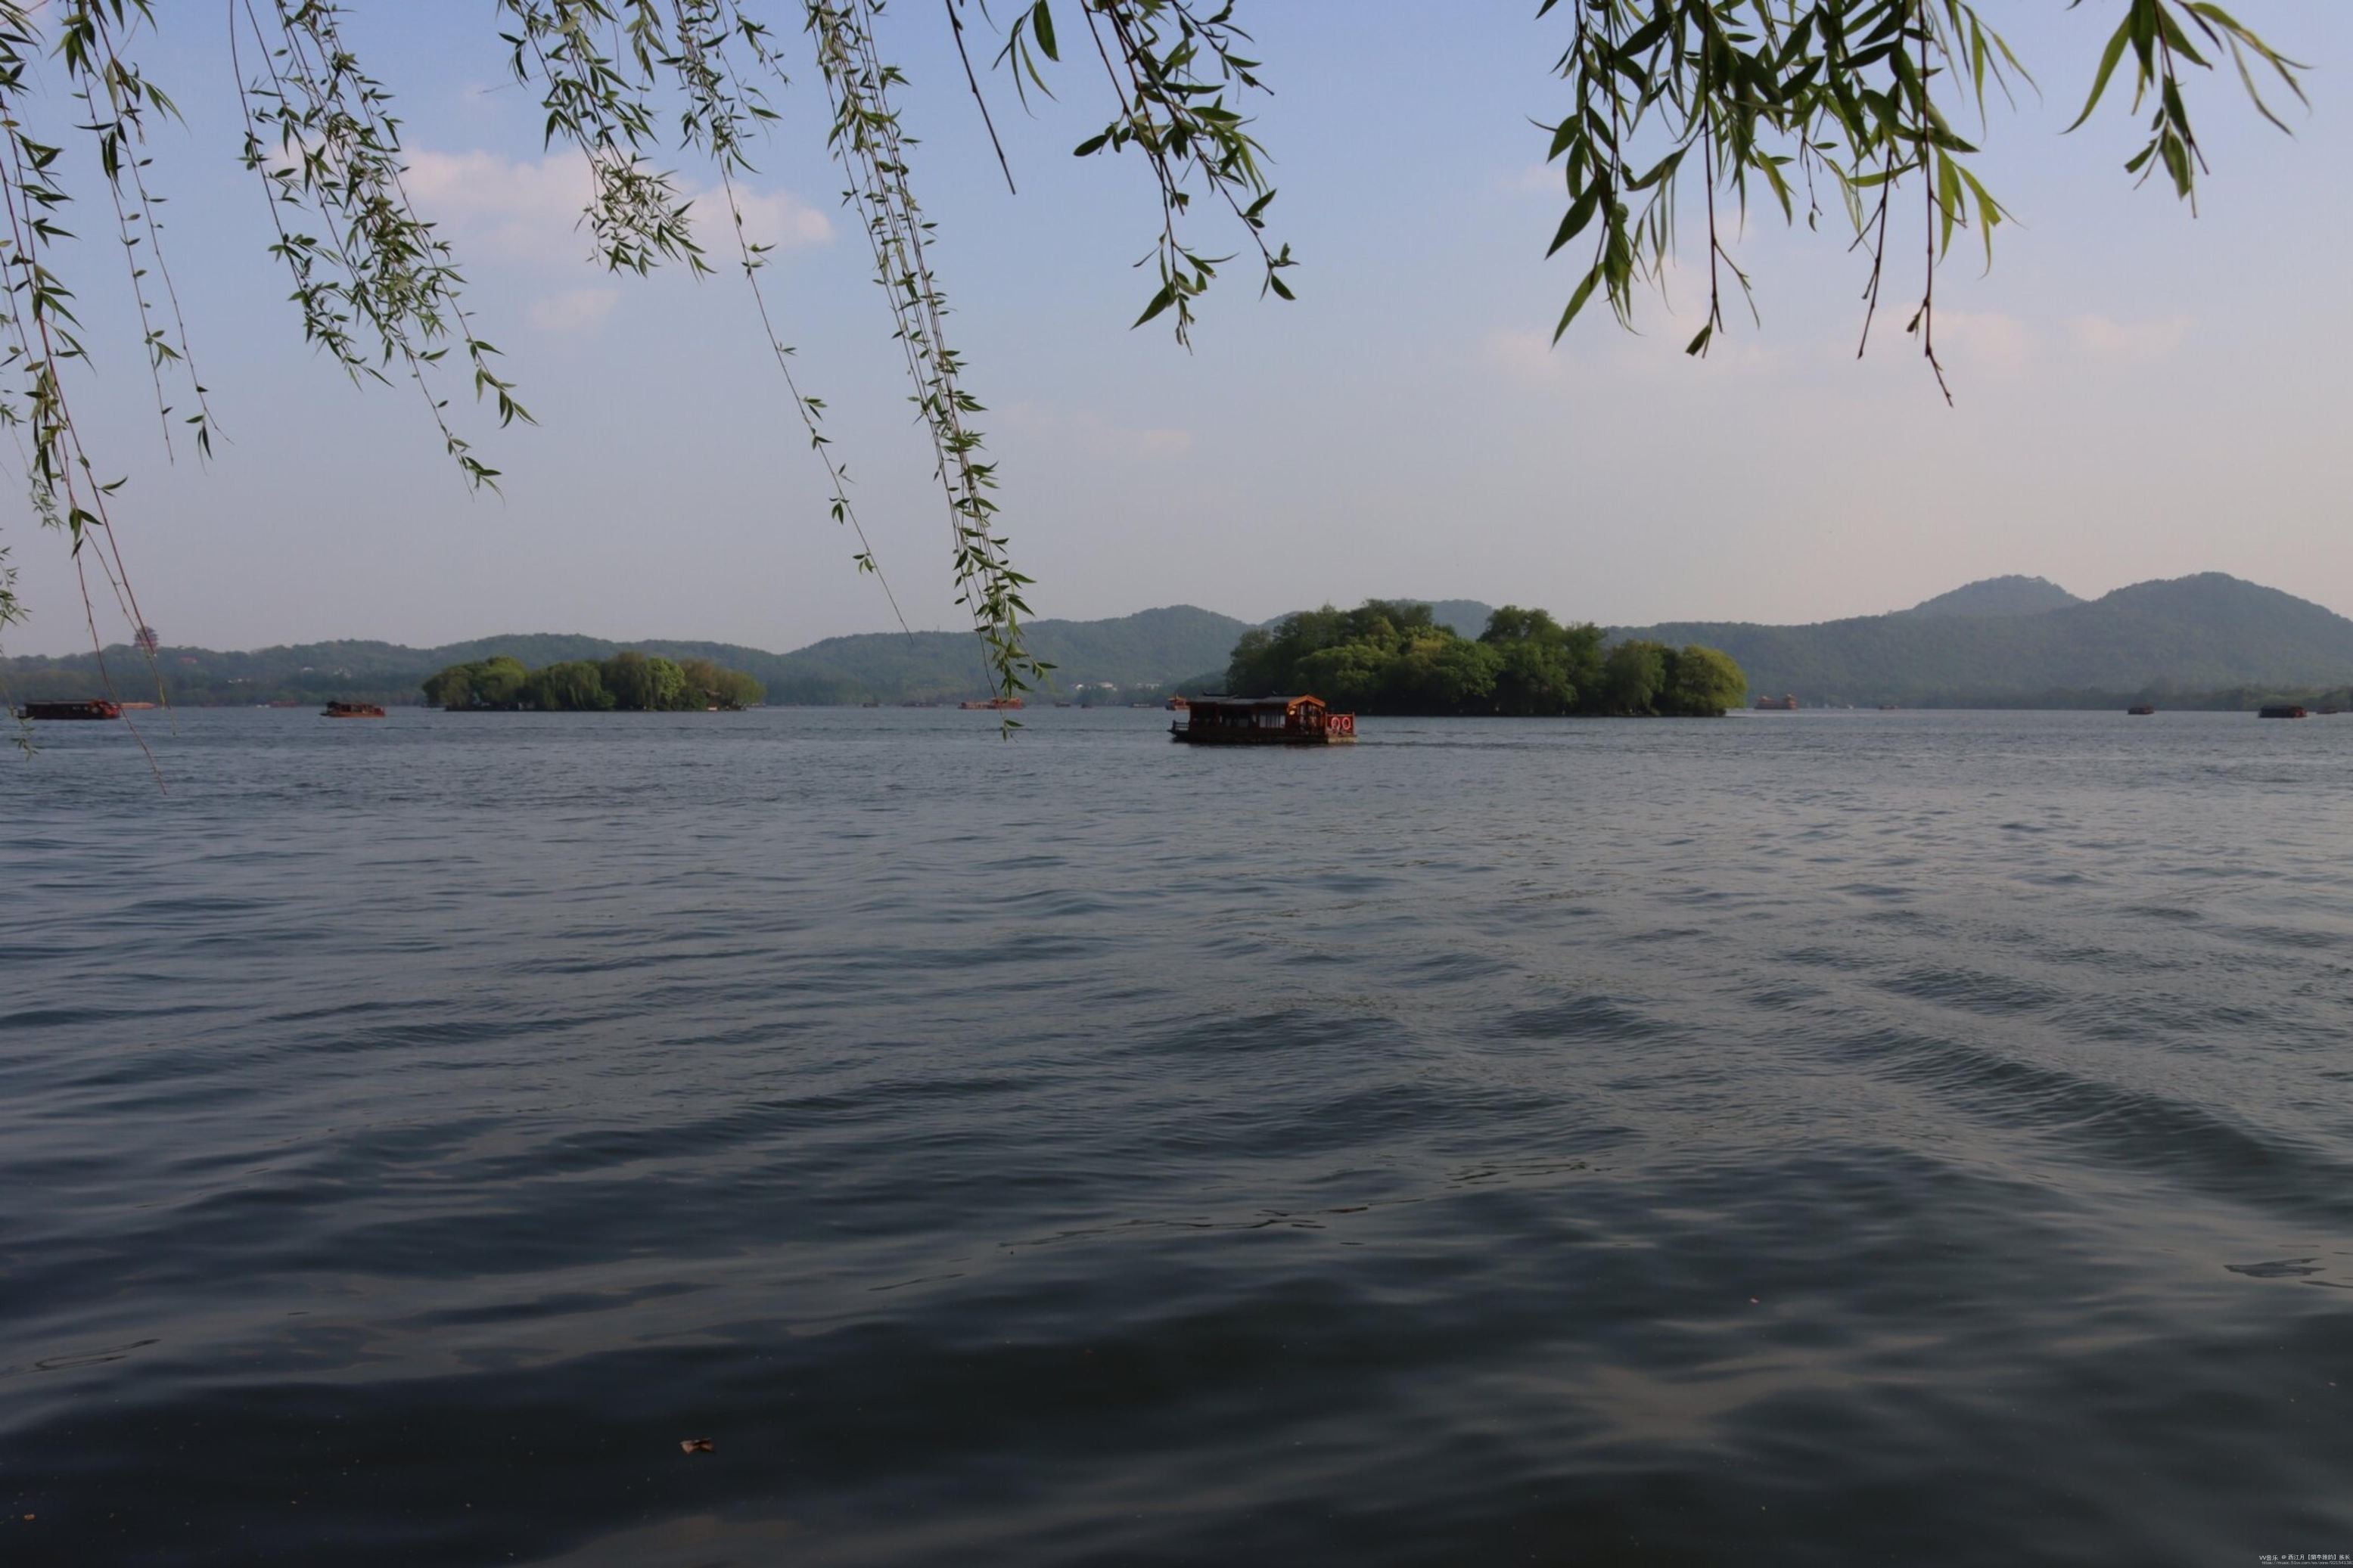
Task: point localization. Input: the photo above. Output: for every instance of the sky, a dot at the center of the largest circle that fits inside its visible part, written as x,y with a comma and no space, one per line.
2139,392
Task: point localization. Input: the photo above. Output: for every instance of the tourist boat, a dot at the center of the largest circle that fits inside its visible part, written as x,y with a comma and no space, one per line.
1263,721
1783,704
93,707
1178,704
2283,711
351,710
2141,709
994,705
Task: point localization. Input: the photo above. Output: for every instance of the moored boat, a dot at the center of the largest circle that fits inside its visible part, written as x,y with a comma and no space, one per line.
91,707
2282,710
351,710
994,705
1302,720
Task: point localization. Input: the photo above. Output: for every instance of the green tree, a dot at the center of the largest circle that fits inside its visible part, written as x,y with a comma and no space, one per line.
486,683
1632,675
450,688
1702,682
575,686
499,682
666,687
1438,670
628,676
1545,665
738,689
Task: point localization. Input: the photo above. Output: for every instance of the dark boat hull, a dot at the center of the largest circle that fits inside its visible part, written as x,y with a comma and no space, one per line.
97,708
1255,737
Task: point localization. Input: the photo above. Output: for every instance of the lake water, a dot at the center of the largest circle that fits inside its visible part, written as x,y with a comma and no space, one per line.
1814,1138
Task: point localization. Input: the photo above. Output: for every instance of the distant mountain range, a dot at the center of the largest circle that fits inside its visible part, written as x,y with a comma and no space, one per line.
2005,641
1144,653
2021,641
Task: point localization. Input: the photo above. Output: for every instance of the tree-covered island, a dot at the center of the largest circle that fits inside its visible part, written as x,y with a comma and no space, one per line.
1392,656
630,681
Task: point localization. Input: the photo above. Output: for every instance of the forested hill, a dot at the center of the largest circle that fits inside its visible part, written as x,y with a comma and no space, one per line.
2210,633
2011,596
1148,651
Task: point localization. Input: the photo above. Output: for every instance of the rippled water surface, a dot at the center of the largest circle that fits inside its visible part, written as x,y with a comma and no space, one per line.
1801,1138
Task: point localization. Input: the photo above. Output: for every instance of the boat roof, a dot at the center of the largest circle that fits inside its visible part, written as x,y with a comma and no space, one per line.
1220,700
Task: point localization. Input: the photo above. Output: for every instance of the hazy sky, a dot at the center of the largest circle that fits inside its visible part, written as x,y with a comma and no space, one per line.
2141,393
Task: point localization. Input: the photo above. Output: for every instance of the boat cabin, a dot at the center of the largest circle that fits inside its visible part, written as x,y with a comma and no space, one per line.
1302,720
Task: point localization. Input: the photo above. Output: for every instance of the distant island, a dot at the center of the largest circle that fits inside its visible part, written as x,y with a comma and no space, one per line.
628,682
2207,641
1392,656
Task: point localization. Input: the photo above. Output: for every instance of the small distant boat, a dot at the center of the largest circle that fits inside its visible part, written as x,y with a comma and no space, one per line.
994,705
1782,704
2141,709
93,708
2283,711
1888,707
1301,720
351,710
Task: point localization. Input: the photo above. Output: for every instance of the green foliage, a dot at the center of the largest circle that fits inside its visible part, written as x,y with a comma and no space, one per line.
1172,65
450,688
1632,676
575,686
1786,99
629,677
498,682
666,687
1391,657
1545,667
1702,682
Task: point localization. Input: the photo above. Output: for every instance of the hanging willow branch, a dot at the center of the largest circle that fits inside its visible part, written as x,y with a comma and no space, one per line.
873,148
1777,98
